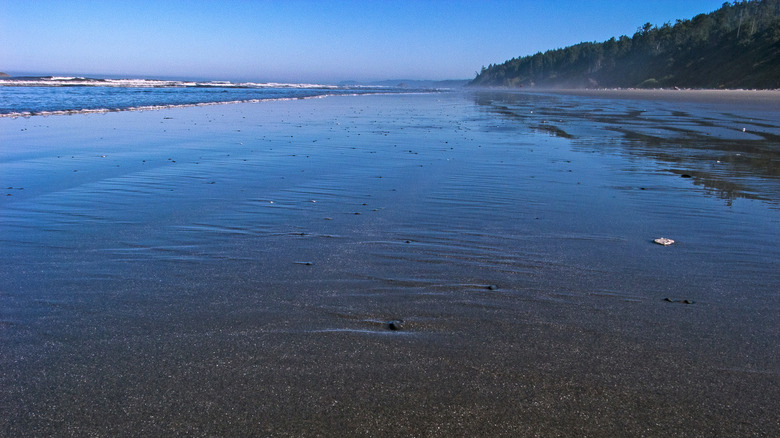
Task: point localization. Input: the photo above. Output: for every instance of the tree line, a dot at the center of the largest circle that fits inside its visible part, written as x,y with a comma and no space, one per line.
737,46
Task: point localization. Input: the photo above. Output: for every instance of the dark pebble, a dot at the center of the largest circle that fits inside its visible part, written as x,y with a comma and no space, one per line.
492,287
669,300
685,175
396,324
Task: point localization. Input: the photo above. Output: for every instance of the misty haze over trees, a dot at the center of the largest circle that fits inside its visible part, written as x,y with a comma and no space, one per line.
737,46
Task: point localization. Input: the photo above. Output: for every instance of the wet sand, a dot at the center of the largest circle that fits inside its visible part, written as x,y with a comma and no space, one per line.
232,270
742,98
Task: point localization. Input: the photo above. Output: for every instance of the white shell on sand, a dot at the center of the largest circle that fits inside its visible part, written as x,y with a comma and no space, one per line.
663,241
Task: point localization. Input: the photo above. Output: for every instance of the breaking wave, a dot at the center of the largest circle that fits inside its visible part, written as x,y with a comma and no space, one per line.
59,95
68,81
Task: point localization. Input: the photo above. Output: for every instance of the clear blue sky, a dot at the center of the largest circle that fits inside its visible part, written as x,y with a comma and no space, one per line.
307,41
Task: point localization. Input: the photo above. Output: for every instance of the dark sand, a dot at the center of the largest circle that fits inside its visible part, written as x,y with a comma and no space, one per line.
231,270
768,99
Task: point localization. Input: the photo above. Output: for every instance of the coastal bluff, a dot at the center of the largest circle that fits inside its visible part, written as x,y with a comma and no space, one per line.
734,47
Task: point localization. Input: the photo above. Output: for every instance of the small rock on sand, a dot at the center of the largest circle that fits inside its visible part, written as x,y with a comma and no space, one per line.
396,324
669,300
663,241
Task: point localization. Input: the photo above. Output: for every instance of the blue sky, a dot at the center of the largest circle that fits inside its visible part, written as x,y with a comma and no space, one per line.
307,41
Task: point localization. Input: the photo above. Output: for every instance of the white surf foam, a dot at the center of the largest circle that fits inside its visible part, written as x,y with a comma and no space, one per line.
67,81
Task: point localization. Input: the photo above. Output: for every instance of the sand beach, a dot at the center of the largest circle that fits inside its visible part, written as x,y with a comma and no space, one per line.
233,270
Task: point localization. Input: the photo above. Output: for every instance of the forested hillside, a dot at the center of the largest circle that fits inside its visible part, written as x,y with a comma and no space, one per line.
737,46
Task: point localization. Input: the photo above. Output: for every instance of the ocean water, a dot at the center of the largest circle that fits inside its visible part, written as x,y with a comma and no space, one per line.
69,95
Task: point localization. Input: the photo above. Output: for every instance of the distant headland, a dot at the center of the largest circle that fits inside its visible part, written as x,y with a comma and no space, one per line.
736,46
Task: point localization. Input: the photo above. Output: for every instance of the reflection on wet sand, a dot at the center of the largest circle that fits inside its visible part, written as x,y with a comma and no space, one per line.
728,142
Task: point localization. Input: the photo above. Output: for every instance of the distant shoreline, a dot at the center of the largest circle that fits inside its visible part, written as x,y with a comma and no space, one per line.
761,97
663,93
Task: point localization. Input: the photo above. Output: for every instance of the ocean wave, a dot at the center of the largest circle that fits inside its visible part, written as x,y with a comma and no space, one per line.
67,81
147,107
184,105
60,95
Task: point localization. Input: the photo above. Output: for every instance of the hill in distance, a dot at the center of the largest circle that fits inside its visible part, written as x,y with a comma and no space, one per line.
736,46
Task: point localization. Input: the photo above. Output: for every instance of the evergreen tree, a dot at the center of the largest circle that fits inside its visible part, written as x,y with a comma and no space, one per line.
737,46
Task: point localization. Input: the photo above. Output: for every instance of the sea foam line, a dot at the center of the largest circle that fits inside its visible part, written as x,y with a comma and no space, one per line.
62,81
144,107
184,105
